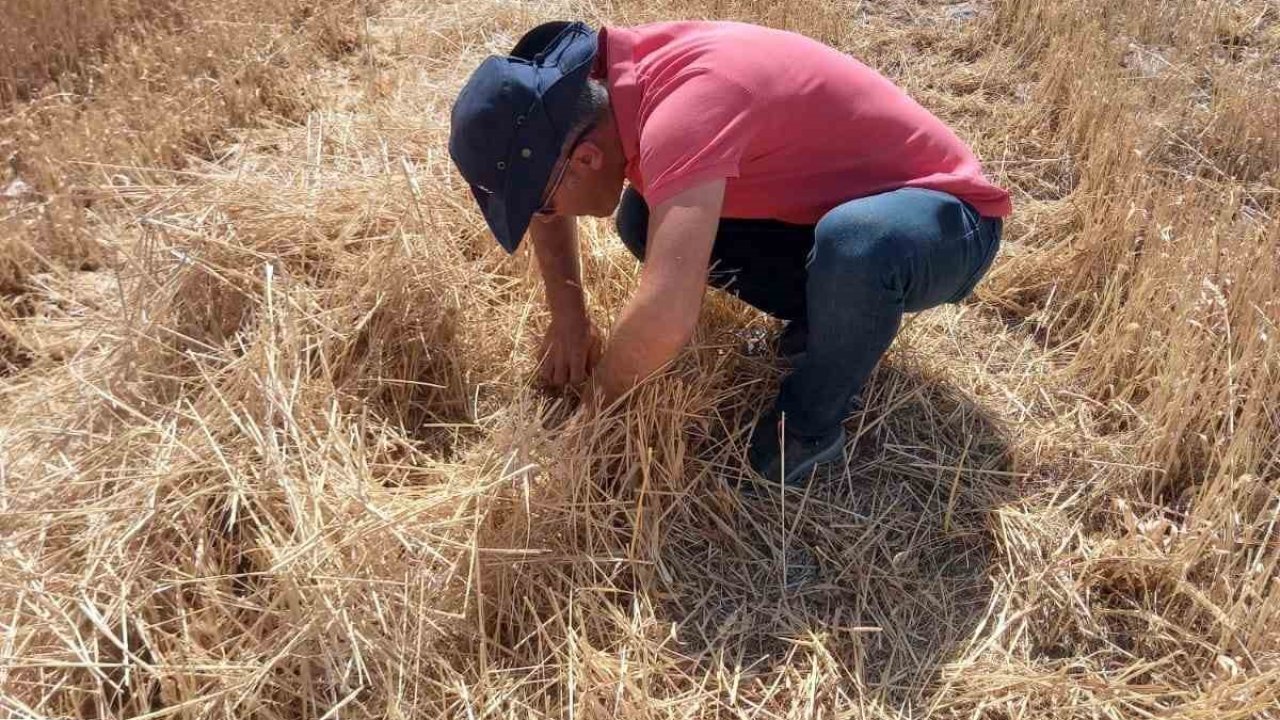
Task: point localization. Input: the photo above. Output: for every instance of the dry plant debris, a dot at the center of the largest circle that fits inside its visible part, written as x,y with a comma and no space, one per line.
271,448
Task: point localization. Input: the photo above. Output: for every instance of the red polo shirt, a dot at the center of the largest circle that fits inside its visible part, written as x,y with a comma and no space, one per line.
795,127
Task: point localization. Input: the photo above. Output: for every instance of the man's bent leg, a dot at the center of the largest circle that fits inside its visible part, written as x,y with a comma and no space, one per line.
875,258
761,261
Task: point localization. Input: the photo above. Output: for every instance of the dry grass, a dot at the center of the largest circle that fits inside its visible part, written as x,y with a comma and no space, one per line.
44,40
167,88
271,446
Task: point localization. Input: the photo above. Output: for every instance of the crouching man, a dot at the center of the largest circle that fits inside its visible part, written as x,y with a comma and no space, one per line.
758,161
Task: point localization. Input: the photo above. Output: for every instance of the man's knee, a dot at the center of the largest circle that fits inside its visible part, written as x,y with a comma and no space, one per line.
854,241
632,222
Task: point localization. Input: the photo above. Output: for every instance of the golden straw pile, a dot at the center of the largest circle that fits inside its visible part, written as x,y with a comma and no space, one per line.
271,447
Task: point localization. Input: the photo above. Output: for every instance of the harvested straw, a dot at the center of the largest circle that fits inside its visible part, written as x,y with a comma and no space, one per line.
277,453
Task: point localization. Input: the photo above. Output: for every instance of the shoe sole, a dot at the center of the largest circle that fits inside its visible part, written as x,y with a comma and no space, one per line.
801,471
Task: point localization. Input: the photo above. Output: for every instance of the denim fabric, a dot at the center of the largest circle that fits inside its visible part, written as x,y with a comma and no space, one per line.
850,278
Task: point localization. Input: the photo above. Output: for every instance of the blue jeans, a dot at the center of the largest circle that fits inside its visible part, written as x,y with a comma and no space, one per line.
849,279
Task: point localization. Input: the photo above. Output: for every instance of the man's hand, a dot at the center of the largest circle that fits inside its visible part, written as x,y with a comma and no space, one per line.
572,345
570,349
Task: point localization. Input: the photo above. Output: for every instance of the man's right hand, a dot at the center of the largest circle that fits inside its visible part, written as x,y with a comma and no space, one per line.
572,345
569,351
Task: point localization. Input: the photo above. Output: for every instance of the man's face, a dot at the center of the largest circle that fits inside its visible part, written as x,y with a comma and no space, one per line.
591,183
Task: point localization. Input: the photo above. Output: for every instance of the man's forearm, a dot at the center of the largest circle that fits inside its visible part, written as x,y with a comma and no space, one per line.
661,316
650,332
555,244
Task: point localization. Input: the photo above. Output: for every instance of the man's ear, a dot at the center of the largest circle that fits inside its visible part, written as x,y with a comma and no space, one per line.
588,155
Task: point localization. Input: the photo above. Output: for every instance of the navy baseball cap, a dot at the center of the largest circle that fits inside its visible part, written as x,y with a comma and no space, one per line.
511,119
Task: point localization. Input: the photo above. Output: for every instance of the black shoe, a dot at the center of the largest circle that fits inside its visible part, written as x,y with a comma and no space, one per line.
794,341
801,454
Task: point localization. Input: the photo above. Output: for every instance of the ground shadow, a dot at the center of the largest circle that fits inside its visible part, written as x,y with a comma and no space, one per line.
884,558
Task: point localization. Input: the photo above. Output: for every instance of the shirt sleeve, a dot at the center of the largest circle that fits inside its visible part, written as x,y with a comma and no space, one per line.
697,131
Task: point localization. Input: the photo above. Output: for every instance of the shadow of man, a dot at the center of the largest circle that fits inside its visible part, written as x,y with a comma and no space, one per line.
877,569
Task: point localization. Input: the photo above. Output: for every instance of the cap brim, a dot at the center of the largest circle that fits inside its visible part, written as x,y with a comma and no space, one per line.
508,214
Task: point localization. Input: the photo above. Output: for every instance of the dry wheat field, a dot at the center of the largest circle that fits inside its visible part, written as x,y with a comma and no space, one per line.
271,444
